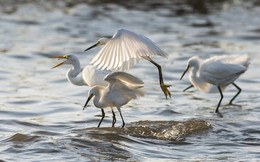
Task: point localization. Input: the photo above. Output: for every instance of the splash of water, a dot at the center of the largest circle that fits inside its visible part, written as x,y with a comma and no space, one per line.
167,130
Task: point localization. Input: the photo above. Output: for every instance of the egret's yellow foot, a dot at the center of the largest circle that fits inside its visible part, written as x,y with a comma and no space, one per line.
165,90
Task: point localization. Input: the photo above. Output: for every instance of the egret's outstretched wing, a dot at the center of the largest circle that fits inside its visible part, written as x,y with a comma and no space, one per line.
124,85
125,49
221,70
231,59
224,66
222,73
124,77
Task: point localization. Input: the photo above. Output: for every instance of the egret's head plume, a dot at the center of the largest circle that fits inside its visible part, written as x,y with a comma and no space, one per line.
102,41
193,61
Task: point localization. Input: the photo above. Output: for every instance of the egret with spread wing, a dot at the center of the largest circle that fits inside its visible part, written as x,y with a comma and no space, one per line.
124,50
216,73
122,87
90,75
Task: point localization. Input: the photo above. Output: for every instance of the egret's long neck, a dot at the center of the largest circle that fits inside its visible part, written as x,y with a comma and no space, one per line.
100,97
73,74
197,81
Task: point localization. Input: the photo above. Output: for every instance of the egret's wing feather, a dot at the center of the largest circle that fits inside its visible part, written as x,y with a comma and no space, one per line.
125,49
124,77
124,85
97,59
121,90
231,59
105,58
238,59
222,74
108,60
224,70
225,65
114,60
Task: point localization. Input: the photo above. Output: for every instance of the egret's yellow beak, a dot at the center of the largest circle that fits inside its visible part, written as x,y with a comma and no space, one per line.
89,98
92,46
187,68
59,57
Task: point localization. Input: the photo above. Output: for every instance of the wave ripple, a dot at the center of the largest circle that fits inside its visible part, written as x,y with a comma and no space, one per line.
167,130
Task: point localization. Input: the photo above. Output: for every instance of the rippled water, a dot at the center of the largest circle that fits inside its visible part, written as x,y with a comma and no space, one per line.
41,115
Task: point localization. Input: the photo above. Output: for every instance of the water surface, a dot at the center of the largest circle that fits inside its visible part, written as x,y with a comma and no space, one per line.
41,117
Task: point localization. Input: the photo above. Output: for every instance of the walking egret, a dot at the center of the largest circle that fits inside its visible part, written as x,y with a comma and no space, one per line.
122,88
124,50
90,75
217,73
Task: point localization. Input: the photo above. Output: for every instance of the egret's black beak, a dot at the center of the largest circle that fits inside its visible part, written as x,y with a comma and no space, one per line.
89,98
187,68
91,47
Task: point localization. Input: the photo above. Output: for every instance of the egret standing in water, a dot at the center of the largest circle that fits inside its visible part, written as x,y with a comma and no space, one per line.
218,71
90,75
124,50
122,88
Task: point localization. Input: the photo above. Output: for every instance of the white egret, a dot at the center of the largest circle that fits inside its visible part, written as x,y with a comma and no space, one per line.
124,50
90,75
216,73
122,88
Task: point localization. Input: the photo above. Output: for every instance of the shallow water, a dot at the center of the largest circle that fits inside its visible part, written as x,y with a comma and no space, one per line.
41,115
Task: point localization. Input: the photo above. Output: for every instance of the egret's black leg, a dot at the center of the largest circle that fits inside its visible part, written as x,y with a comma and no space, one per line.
221,97
114,118
239,90
103,115
121,117
162,85
188,88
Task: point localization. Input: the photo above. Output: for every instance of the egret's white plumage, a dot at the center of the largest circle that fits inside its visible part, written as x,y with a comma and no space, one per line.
90,76
223,70
124,50
216,73
122,88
